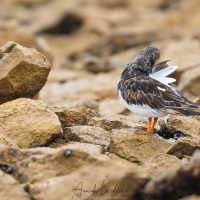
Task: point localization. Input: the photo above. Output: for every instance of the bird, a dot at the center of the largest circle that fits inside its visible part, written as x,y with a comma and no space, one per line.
146,90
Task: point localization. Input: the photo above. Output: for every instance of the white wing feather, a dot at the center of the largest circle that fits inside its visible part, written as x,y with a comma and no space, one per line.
162,75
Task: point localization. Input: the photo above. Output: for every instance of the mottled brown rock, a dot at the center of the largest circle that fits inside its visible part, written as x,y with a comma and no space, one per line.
91,88
28,123
10,188
95,64
88,134
184,146
102,177
190,81
135,147
23,72
39,167
109,122
161,164
183,182
74,116
188,125
111,107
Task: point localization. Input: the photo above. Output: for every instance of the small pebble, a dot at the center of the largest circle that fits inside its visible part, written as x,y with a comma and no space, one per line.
106,148
68,152
178,135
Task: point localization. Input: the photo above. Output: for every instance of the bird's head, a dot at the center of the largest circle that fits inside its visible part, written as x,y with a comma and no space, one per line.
145,60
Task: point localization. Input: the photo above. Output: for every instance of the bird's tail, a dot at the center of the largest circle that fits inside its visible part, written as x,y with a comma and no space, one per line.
188,112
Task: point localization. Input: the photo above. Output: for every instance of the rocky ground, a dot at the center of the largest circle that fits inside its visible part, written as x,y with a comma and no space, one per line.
63,132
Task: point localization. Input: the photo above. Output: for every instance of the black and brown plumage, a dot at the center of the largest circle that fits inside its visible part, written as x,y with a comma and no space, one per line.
145,89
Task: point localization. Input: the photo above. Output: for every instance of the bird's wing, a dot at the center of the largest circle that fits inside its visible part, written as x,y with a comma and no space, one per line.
160,72
147,91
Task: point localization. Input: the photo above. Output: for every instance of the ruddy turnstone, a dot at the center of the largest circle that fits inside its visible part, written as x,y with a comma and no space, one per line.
146,90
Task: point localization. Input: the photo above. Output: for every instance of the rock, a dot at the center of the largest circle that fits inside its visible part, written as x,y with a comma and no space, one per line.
63,75
10,188
135,147
189,81
95,64
188,125
7,142
184,146
70,92
107,123
40,167
113,3
117,122
24,72
85,116
160,165
11,156
126,37
185,60
88,134
74,116
183,182
28,123
111,107
103,180
191,197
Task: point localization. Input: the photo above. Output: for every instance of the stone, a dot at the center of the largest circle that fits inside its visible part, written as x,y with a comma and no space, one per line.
81,89
185,60
103,180
9,188
74,116
109,122
189,81
127,37
188,125
24,71
40,167
180,183
28,123
184,146
111,107
88,134
136,147
95,64
160,165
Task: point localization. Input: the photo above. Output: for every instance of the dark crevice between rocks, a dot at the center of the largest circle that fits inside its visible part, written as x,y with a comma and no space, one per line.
166,134
56,142
7,169
68,25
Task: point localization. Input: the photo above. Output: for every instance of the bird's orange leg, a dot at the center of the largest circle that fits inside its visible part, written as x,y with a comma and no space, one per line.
148,131
154,124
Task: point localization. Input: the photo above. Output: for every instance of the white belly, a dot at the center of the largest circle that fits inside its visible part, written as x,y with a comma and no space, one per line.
145,110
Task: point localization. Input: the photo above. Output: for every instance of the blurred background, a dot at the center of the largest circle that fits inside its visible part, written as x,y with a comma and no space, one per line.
89,43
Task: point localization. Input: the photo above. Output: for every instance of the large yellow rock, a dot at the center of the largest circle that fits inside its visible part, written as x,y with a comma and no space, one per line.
28,123
23,72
